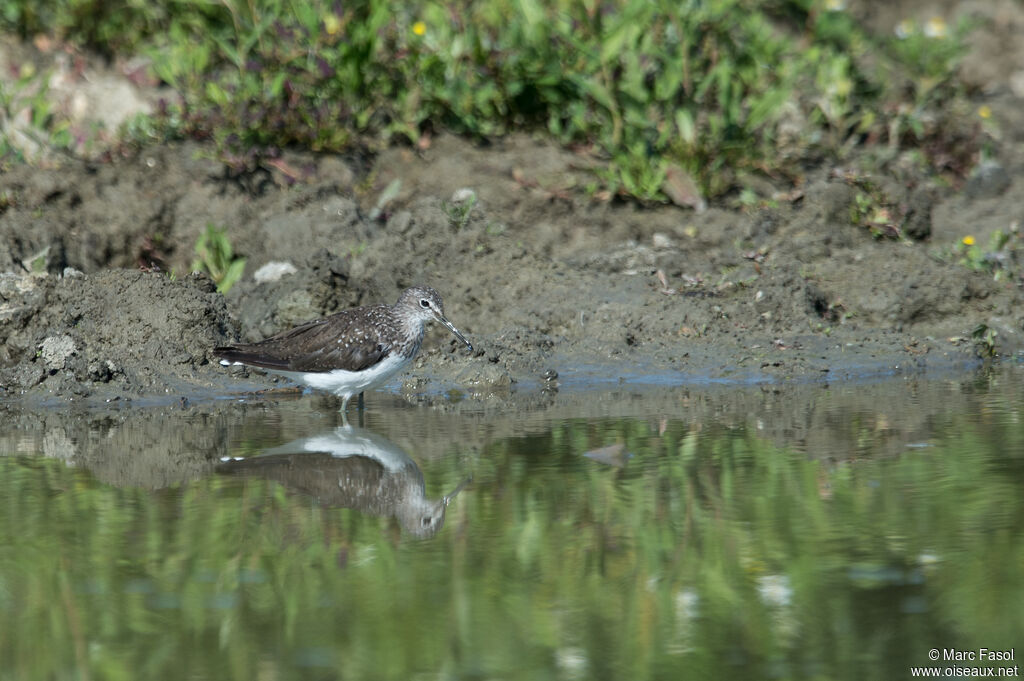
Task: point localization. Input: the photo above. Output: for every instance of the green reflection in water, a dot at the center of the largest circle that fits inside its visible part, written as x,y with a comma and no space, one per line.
683,552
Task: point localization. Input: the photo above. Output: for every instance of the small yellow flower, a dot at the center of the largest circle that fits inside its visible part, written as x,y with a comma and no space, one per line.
835,5
332,24
936,28
968,240
419,28
985,111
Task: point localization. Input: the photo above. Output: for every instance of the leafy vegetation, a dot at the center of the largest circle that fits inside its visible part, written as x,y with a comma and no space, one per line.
984,338
1003,258
460,209
872,209
217,258
31,127
707,90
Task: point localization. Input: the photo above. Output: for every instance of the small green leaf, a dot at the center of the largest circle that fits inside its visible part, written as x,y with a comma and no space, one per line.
232,275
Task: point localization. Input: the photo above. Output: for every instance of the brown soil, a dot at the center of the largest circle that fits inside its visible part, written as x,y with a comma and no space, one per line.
543,278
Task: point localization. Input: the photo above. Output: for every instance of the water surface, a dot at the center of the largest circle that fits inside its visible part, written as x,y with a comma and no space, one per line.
815,532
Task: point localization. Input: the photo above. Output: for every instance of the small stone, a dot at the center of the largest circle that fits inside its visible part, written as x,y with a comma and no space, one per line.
661,241
987,181
681,189
335,170
273,271
400,222
56,350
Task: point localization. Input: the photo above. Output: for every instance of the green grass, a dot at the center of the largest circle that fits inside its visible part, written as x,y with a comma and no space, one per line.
34,129
713,88
216,257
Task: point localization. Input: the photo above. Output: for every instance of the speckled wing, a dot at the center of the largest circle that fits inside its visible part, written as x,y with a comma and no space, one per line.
343,341
349,482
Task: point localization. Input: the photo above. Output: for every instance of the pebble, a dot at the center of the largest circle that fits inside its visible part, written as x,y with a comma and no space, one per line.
988,180
273,271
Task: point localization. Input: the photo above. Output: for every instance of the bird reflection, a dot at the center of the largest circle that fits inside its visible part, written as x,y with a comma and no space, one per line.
352,468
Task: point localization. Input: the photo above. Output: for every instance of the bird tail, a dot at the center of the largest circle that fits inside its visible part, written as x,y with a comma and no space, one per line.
231,354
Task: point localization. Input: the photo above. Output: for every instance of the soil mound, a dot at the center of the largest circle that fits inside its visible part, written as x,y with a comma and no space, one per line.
122,332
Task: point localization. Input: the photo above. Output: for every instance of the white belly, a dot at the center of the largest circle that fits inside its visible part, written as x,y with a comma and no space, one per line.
345,384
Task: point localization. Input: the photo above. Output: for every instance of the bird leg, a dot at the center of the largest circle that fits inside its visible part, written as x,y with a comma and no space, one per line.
344,404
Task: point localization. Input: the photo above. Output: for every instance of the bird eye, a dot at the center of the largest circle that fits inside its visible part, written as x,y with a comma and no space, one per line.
424,302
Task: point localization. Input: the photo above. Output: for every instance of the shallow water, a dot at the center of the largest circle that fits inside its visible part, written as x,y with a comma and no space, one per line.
817,532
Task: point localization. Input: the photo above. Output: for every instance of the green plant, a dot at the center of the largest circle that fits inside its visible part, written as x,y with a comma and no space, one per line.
698,85
873,209
36,264
836,101
1001,258
32,126
459,210
930,51
276,74
105,27
711,88
867,211
217,258
984,339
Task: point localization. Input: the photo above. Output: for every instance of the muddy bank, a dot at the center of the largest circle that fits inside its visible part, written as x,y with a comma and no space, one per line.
115,333
542,281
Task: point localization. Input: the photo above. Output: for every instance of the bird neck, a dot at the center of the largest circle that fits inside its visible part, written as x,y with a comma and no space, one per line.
413,331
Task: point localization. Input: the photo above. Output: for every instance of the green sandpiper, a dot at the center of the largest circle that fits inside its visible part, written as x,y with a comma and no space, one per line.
350,351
